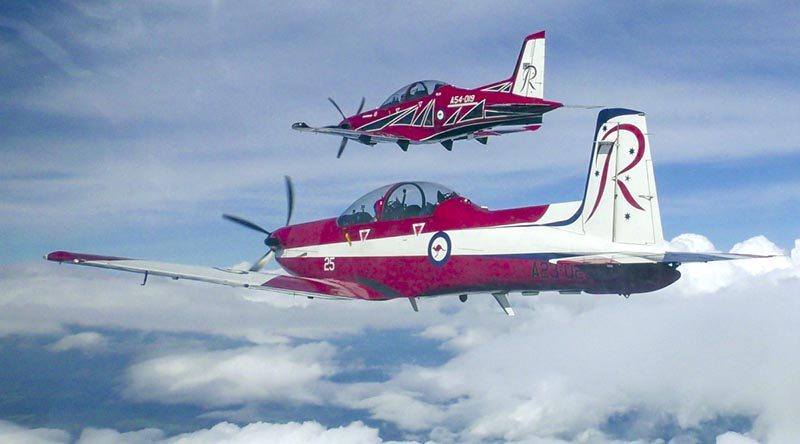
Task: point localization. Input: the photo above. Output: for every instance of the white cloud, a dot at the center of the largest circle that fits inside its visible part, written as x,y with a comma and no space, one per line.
44,298
692,352
796,252
562,372
735,438
109,436
260,432
237,376
86,341
11,433
701,278
307,432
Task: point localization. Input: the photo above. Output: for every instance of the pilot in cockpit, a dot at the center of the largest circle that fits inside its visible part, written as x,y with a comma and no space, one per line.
416,90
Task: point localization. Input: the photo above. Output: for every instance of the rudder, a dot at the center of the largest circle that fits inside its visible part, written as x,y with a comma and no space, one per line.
528,78
621,203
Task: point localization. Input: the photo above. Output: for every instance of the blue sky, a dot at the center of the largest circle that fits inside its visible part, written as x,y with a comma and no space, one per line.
128,129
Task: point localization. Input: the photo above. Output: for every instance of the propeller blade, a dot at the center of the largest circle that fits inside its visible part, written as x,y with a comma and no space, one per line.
289,198
360,107
245,223
341,147
337,108
263,261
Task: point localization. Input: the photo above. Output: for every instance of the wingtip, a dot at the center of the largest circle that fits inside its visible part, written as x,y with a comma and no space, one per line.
67,256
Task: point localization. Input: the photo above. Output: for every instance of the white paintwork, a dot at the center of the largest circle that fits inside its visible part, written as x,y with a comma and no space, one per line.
615,218
506,240
559,211
529,75
604,234
502,298
605,237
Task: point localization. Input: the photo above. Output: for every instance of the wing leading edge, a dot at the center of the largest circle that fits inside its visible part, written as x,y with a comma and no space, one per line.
294,285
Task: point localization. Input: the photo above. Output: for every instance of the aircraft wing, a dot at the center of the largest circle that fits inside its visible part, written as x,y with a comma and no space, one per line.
322,288
669,257
369,138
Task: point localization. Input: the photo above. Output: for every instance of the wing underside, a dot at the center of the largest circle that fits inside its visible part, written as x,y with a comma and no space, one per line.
366,137
371,137
322,288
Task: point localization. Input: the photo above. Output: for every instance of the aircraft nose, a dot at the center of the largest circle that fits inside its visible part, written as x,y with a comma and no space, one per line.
277,239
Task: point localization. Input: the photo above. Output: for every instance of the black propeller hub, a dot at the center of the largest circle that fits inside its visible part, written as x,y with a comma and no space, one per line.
272,242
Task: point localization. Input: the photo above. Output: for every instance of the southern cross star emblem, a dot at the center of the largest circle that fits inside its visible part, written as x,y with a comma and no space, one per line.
631,151
627,216
596,173
627,178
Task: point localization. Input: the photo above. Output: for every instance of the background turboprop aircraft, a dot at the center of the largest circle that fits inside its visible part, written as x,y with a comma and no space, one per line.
431,111
417,239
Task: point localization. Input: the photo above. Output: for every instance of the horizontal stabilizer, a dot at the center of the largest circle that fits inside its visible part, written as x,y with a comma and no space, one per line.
603,259
650,258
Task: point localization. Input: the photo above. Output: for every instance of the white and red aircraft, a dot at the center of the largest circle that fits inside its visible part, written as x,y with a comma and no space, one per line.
432,111
419,239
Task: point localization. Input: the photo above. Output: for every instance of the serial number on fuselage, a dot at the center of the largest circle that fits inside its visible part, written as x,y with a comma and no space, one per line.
457,100
546,270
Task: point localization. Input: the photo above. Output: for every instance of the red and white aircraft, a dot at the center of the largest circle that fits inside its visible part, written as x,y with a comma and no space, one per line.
430,111
419,239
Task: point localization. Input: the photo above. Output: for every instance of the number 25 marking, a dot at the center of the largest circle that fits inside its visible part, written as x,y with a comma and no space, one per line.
328,265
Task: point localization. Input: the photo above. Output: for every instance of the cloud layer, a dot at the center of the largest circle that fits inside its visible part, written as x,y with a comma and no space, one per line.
128,128
289,433
720,343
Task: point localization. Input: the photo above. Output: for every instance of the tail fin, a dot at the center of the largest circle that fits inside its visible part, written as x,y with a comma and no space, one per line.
528,78
621,203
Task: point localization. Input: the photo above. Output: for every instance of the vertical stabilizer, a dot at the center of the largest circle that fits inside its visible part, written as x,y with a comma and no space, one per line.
621,203
528,78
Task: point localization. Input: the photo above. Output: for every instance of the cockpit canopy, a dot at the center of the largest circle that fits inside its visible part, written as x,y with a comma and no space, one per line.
412,91
401,200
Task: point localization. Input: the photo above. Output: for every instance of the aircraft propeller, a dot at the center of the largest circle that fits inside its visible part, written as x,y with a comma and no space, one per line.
270,241
345,139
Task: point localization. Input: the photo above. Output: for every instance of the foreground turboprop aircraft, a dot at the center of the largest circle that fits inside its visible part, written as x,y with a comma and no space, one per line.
418,239
431,111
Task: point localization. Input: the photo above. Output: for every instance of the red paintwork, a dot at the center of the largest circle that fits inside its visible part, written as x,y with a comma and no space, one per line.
411,276
500,108
453,214
637,158
330,287
66,256
442,97
416,276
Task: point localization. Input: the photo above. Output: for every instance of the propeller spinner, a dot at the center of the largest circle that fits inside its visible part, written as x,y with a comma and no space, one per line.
345,139
270,241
